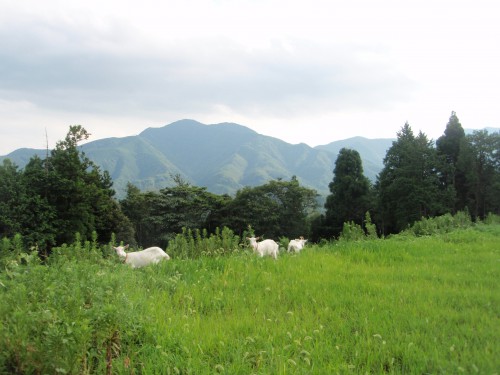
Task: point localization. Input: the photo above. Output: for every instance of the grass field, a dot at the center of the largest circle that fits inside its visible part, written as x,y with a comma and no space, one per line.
427,305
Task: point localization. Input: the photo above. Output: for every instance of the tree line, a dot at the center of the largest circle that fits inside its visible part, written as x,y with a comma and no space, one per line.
419,180
52,200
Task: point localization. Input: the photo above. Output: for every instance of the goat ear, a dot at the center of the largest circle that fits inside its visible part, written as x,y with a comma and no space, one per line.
126,246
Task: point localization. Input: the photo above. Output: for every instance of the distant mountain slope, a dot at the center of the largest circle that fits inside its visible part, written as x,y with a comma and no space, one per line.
488,129
226,157
371,151
223,157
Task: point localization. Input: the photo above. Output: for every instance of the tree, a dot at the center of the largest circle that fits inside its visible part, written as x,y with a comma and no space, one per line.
409,185
295,204
449,143
350,196
22,210
79,193
159,216
53,199
448,147
253,207
137,207
39,228
479,162
278,208
12,199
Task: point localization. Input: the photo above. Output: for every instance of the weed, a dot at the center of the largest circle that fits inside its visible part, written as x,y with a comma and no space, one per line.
406,304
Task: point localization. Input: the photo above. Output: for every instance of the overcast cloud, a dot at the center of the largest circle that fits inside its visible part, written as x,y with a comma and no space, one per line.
311,72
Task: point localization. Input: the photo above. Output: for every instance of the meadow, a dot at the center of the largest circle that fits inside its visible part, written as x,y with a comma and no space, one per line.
400,305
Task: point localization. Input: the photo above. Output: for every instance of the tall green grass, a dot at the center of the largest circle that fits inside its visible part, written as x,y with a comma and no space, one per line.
407,304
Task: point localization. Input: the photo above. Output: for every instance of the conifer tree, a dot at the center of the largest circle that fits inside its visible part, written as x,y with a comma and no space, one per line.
449,147
409,185
350,193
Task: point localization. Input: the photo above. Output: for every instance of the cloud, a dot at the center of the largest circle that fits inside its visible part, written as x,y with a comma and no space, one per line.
78,66
305,72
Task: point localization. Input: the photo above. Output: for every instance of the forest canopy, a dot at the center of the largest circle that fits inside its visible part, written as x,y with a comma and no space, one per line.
66,194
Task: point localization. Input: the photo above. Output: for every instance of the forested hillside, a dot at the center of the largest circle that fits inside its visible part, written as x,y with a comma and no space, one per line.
221,157
65,194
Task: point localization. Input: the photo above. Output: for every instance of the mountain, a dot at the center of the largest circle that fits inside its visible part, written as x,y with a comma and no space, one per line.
490,130
223,157
371,151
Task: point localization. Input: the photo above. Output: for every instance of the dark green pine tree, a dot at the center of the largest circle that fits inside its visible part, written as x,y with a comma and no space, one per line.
479,161
81,195
12,199
137,206
39,228
409,185
448,147
350,196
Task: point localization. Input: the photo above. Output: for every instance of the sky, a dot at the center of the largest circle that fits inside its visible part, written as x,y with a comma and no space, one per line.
303,71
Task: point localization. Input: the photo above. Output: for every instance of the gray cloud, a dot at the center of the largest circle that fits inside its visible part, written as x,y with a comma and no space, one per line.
69,68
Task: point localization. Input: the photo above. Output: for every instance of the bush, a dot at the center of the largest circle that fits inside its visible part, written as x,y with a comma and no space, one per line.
67,317
440,224
80,250
191,244
491,219
371,229
352,232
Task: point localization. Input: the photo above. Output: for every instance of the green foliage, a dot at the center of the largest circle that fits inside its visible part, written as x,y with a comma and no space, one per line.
274,209
450,142
283,242
55,198
371,228
492,219
399,305
351,232
79,250
13,255
409,186
350,194
11,198
449,148
479,163
355,232
253,206
67,318
440,224
159,217
81,194
191,244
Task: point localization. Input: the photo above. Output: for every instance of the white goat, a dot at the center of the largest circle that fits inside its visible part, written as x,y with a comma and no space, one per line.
136,259
266,247
297,244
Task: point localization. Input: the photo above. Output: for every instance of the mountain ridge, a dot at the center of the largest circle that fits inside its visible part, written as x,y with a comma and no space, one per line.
223,157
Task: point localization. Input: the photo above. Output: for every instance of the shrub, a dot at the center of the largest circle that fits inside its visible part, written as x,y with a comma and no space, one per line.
440,224
491,219
79,250
67,317
192,244
352,232
371,229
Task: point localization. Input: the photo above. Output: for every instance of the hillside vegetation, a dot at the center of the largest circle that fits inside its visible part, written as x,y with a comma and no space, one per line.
222,157
404,304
